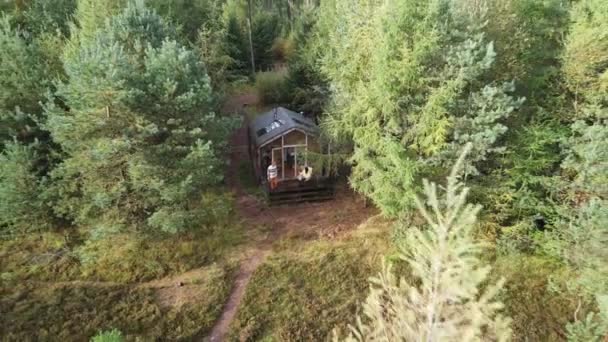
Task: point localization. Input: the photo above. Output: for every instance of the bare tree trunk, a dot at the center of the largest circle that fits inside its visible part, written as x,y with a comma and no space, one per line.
289,14
249,24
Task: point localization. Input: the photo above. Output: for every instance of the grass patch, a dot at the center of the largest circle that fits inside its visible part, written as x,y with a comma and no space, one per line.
123,258
303,291
77,311
538,313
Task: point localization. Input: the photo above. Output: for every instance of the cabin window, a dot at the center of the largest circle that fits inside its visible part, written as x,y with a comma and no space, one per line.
273,125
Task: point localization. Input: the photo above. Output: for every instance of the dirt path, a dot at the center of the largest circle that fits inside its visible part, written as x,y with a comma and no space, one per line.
265,225
248,266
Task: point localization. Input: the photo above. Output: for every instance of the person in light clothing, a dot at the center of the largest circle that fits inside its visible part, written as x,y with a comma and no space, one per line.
305,174
272,174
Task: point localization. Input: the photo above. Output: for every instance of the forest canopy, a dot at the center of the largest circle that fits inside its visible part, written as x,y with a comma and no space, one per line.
113,127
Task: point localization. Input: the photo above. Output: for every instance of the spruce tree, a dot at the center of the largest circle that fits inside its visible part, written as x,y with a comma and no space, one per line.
26,71
236,47
450,298
24,81
585,58
400,74
23,207
581,237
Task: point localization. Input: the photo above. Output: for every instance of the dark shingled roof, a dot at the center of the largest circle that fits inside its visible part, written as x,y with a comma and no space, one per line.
278,121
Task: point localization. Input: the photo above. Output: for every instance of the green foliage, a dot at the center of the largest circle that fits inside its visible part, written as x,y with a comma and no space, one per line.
22,207
236,46
585,57
528,36
271,86
113,335
580,241
588,157
90,15
538,313
580,238
481,126
24,80
141,139
586,52
305,83
450,298
265,29
49,16
222,48
189,15
420,59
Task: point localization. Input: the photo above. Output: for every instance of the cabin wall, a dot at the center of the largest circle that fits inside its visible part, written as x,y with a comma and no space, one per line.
289,152
295,138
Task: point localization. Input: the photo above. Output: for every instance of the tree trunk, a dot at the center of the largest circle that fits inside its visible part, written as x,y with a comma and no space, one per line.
289,16
249,24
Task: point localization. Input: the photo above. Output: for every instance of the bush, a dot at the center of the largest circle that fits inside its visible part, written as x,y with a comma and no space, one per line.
537,312
283,49
271,86
108,336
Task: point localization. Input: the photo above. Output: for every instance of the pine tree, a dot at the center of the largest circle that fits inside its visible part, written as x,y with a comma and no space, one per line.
142,142
265,29
482,125
307,87
451,301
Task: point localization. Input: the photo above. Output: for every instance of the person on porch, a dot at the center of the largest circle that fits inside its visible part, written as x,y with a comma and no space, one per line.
305,174
272,173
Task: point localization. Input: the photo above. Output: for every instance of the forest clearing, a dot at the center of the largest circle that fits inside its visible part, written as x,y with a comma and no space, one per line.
327,170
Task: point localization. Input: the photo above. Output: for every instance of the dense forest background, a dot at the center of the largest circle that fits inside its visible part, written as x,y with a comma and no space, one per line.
113,145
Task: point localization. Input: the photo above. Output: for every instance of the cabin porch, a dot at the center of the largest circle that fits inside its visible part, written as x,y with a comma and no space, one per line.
294,191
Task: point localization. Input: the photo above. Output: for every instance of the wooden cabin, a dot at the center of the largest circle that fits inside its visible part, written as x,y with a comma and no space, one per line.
288,138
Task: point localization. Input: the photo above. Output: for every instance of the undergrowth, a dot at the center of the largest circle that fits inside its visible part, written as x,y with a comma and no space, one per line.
247,179
271,86
122,258
78,311
303,291
538,312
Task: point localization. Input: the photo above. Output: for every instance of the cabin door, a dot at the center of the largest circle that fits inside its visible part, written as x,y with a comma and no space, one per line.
289,161
300,159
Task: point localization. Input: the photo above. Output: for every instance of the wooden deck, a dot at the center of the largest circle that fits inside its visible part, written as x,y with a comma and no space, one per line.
294,191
